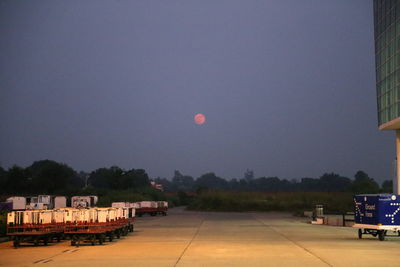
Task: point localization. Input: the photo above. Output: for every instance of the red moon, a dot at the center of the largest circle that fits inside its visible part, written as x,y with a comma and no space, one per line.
199,119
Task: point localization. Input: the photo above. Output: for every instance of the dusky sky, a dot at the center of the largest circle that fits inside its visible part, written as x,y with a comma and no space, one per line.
287,87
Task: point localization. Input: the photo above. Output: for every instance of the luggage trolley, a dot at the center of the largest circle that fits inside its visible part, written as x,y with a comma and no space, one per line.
377,215
33,227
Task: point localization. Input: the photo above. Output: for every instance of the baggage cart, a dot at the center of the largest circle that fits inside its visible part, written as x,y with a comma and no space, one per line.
33,227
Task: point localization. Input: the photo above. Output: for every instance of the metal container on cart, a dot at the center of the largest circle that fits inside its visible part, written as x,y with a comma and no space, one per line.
120,204
33,226
18,203
149,207
60,202
376,214
93,225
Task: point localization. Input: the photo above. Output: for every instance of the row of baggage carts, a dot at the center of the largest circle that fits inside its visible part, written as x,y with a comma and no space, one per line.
79,225
151,208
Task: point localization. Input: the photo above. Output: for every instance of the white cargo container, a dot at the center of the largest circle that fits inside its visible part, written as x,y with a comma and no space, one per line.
31,217
45,216
83,201
125,213
58,216
102,215
112,214
60,202
80,202
93,201
14,218
148,204
70,215
84,215
119,213
92,215
46,199
18,203
120,204
36,206
132,212
162,204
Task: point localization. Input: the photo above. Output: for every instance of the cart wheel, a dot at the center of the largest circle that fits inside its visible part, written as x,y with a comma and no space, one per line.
381,235
16,243
110,238
360,233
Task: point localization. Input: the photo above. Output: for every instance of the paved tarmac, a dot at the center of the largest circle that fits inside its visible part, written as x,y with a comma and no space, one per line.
185,238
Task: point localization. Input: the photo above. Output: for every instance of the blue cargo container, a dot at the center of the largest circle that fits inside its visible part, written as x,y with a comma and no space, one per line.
376,214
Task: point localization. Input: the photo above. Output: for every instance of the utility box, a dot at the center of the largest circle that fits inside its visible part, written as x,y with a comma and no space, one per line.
377,209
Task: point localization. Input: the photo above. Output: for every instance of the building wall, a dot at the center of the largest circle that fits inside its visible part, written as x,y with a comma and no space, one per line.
387,59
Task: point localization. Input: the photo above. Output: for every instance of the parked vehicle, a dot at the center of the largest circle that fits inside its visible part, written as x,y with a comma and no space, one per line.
377,215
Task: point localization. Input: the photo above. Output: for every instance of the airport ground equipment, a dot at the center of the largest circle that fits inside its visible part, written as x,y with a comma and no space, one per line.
377,215
18,203
98,224
162,207
34,226
147,207
80,225
84,201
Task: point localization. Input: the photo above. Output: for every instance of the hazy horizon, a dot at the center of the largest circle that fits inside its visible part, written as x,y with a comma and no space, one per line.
287,87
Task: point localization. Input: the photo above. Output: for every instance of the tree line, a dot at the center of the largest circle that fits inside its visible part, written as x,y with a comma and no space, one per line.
328,182
51,177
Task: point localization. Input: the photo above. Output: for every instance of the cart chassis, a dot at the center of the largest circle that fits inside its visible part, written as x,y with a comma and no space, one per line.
377,230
